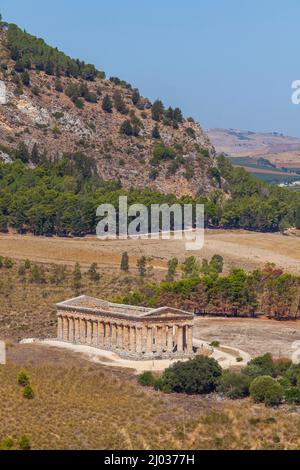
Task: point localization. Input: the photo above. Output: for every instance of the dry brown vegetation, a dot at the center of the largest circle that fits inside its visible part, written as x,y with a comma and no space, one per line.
28,307
78,405
247,250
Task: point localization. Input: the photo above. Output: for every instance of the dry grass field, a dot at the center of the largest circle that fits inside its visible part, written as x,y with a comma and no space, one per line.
255,336
239,248
79,405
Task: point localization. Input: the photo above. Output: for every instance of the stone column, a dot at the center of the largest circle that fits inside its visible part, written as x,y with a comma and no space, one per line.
89,332
170,339
149,348
77,330
179,339
164,338
82,331
126,338
120,336
114,336
59,328
158,339
65,329
139,339
132,339
189,348
100,333
95,333
108,335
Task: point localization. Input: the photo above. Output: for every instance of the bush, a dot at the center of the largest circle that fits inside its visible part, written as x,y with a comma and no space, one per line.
23,378
199,375
126,128
28,392
146,379
162,152
292,395
293,373
265,364
24,443
234,385
252,371
215,344
266,390
282,365
8,263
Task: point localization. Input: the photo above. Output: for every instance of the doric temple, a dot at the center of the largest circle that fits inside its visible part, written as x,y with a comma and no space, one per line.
133,332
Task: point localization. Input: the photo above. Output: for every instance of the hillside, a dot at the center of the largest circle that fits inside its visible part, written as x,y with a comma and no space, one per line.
56,105
279,149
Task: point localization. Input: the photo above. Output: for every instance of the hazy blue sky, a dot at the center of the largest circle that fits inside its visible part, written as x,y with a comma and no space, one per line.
228,63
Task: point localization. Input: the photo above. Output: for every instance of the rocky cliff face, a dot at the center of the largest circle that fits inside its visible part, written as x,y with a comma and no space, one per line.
41,109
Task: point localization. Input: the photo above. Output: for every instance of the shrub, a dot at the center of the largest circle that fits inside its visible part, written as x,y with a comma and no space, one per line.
8,263
107,104
265,363
282,365
24,443
252,371
293,373
199,375
191,132
215,344
146,379
155,132
162,152
266,390
7,444
126,128
23,378
292,395
28,392
234,385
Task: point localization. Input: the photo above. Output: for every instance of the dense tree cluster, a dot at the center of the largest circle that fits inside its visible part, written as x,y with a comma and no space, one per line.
170,116
271,384
268,290
31,52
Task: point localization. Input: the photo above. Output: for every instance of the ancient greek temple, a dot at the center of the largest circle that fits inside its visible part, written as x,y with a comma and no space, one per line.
133,332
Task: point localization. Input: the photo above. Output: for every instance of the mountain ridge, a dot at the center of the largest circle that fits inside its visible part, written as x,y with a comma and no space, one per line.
62,106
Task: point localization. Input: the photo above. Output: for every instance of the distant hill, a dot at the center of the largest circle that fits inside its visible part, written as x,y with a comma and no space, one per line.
56,105
280,150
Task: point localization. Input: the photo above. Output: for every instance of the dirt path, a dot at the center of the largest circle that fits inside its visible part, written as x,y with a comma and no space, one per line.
108,358
239,248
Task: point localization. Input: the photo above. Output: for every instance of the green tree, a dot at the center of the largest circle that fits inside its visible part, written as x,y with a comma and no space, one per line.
142,266
217,264
77,276
24,443
120,103
135,96
28,392
126,128
155,132
125,262
190,267
266,390
297,218
172,267
234,385
93,273
23,378
107,104
199,375
157,110
35,156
